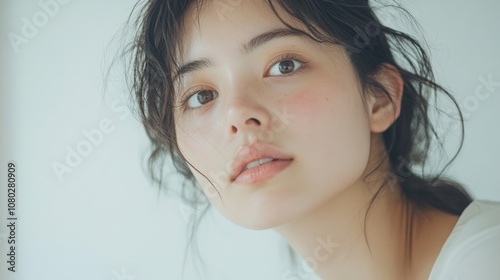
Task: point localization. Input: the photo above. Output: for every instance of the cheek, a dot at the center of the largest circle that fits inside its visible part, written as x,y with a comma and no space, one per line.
333,130
329,109
191,144
196,140
198,148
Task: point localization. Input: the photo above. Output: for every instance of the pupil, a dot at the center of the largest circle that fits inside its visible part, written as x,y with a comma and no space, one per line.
204,96
286,66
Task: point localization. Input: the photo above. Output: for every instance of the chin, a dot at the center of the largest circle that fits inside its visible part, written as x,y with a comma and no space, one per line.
258,219
255,224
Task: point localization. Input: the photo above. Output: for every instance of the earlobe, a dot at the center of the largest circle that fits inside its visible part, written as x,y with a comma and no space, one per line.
384,110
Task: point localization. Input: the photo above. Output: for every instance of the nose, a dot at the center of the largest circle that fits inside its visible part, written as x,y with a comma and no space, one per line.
247,114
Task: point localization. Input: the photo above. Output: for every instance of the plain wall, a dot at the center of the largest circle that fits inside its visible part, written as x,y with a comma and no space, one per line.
102,219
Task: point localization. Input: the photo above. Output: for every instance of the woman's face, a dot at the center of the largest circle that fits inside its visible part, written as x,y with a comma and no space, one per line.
283,90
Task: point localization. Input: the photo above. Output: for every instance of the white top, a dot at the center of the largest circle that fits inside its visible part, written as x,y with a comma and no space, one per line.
472,251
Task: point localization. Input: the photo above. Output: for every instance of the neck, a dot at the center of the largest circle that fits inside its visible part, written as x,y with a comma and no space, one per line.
333,238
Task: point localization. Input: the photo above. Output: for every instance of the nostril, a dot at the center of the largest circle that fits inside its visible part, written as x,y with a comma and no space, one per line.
248,122
253,120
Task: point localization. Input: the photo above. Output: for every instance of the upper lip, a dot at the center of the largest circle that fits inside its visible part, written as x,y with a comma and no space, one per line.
247,154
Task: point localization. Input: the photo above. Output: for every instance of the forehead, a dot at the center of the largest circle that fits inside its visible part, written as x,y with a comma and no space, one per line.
211,23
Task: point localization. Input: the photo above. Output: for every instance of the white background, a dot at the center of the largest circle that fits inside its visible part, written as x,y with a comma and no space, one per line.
104,220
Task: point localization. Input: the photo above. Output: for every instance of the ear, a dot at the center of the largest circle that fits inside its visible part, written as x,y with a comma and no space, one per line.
382,111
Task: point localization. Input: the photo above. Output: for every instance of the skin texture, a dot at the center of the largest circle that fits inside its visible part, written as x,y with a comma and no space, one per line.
318,116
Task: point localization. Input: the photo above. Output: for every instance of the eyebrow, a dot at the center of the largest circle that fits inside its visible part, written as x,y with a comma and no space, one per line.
246,48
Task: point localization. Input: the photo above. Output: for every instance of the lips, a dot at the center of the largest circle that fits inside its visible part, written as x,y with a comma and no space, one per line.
260,152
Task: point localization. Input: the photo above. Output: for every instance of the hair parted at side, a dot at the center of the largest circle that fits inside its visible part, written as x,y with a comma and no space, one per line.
343,22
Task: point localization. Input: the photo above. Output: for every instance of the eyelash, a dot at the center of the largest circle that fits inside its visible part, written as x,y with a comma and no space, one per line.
287,56
190,94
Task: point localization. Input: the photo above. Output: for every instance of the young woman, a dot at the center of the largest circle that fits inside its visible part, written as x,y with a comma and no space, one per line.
310,118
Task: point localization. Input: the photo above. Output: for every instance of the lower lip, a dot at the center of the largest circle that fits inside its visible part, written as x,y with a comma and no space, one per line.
261,172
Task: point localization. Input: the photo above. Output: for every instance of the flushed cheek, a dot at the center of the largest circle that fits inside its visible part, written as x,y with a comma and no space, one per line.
318,104
331,127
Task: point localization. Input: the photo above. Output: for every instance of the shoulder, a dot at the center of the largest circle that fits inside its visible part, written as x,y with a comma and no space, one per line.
472,250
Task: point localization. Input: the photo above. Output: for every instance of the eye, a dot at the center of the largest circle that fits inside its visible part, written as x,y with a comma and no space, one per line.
200,98
284,67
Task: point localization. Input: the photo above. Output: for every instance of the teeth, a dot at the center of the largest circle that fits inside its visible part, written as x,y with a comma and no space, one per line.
257,163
